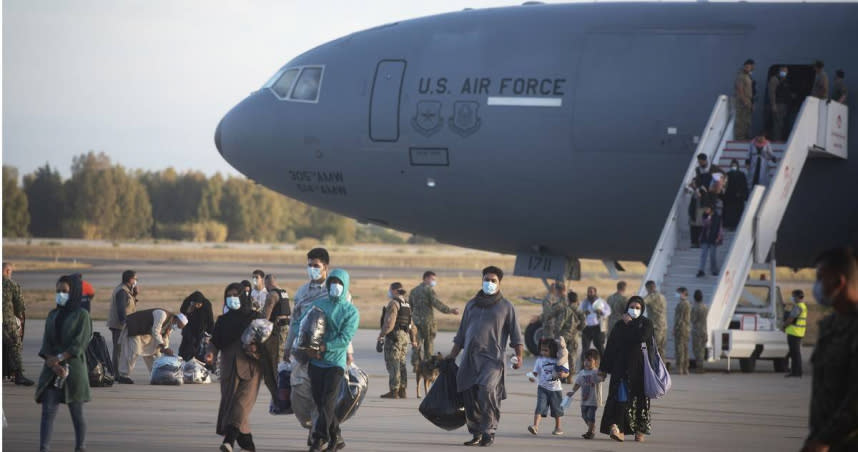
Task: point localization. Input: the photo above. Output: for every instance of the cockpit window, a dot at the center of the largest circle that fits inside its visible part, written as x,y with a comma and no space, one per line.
283,85
307,88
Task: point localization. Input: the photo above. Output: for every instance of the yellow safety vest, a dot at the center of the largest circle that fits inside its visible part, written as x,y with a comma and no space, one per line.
797,329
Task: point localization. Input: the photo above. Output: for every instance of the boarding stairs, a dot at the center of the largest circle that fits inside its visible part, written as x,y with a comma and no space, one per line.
752,331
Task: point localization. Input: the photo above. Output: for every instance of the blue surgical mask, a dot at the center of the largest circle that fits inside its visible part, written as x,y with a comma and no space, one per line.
389,294
819,294
314,273
677,295
62,298
783,74
335,290
489,288
634,313
233,303
433,283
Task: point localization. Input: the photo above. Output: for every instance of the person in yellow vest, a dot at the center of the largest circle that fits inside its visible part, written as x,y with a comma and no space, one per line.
796,323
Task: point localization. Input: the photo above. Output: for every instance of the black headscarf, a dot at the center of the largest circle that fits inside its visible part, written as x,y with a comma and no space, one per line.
73,304
640,301
229,326
199,320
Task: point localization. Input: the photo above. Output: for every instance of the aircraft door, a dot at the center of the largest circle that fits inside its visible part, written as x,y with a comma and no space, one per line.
384,102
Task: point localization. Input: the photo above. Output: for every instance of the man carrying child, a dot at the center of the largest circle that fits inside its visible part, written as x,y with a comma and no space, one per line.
549,392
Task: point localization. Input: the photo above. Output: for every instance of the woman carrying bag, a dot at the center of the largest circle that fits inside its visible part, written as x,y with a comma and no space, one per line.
64,377
627,408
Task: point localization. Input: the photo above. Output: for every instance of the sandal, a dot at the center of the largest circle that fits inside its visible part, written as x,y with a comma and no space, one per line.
532,429
588,435
616,435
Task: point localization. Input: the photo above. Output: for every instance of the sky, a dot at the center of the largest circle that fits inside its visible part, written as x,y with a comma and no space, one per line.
146,82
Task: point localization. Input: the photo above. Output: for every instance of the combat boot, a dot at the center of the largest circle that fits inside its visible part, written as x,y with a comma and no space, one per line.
401,393
21,380
390,395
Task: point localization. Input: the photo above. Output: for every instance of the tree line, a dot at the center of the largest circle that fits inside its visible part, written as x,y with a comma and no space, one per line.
103,200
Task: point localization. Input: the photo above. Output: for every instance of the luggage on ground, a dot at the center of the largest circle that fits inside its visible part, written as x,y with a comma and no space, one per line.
283,404
443,405
167,370
195,372
99,363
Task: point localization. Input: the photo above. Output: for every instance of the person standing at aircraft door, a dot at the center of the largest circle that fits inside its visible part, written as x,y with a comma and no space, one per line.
839,91
698,331
744,98
834,392
424,301
657,313
735,196
617,303
820,82
597,312
796,325
682,330
779,99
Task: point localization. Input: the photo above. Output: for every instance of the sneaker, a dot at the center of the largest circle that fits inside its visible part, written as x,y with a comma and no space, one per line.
124,380
475,440
316,446
488,440
21,380
401,393
533,429
588,435
390,395
700,273
335,446
557,432
225,447
616,435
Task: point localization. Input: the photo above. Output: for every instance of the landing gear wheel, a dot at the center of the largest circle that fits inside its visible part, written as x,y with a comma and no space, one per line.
747,365
780,365
532,336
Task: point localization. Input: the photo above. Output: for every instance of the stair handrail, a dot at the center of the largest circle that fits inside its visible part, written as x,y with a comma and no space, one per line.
735,268
801,140
711,140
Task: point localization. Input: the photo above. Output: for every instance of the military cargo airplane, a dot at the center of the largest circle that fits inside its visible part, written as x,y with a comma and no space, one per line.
560,130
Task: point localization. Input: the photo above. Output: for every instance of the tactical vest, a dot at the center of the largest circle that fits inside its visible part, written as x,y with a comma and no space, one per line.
403,317
140,323
798,328
282,307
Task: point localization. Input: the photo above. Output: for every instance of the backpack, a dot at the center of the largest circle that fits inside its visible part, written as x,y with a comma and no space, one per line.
98,363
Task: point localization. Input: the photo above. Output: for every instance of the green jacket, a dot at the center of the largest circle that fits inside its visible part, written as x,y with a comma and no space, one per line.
75,337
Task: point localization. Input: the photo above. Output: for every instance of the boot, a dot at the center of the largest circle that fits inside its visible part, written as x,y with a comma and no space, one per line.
401,393
21,380
390,395
475,440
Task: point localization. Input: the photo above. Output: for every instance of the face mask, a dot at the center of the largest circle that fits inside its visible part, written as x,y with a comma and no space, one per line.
820,295
750,73
314,273
678,295
233,303
254,284
783,74
433,283
134,284
62,298
489,288
335,290
734,168
634,313
389,294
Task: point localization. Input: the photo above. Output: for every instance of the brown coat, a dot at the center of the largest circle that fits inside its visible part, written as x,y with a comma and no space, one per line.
239,387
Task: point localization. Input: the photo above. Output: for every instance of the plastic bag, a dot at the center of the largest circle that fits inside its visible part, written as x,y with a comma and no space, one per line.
195,372
98,362
254,336
167,370
301,396
443,405
352,392
310,335
656,378
283,403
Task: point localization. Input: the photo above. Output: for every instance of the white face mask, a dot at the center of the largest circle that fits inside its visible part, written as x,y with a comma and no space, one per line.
433,283
335,290
62,298
314,273
634,313
489,288
233,303
134,284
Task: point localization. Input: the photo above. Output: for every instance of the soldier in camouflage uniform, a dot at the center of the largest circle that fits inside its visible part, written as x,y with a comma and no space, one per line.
744,99
656,308
553,311
423,301
397,332
13,324
682,330
698,330
570,329
617,303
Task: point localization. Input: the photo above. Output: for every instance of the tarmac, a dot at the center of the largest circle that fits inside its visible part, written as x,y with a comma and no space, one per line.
715,411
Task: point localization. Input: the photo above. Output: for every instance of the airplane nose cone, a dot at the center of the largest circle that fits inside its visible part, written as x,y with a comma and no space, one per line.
217,137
